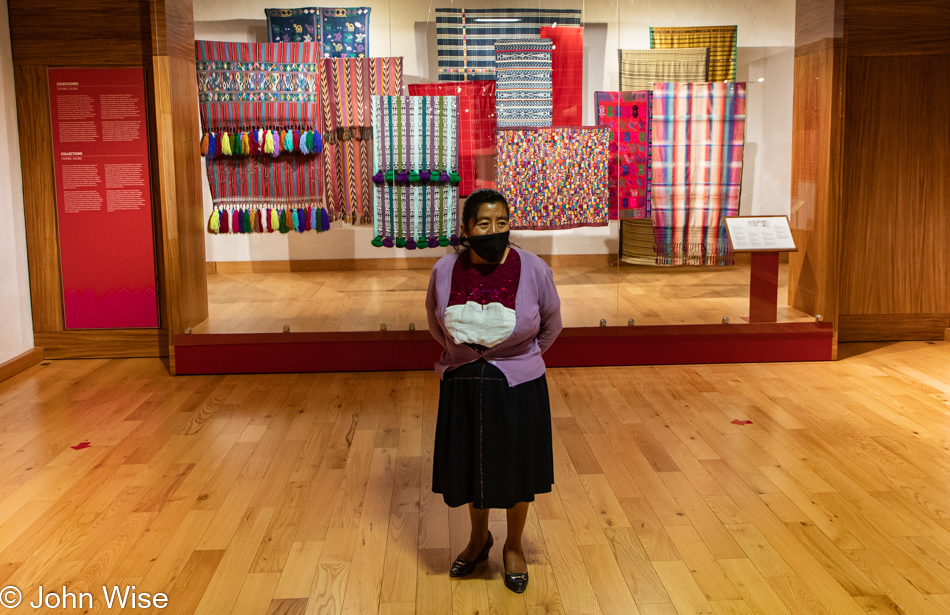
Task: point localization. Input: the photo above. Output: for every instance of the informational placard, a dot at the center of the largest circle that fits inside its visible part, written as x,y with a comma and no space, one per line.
760,234
103,197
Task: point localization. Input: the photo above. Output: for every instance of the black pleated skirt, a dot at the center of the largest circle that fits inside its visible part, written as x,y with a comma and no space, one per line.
492,442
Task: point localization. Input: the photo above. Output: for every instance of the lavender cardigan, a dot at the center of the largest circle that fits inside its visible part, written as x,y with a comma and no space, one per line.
537,321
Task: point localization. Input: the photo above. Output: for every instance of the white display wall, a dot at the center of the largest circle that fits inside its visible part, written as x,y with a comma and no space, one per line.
407,28
16,334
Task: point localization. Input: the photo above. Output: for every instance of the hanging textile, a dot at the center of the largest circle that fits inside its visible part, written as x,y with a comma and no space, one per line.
416,157
467,37
476,129
345,32
293,25
523,77
346,86
698,138
628,116
567,74
721,41
259,111
554,178
640,69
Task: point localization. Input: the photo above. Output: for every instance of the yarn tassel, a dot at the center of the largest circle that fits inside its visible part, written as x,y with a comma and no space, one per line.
214,222
277,143
421,243
247,221
245,144
410,244
236,221
414,176
443,177
238,144
282,219
288,141
377,241
313,220
379,178
260,220
225,144
204,145
273,223
324,220
388,242
303,144
454,178
234,144
225,222
288,219
315,142
268,142
212,145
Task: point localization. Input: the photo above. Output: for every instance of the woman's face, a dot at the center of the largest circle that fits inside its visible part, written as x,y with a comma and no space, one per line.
491,218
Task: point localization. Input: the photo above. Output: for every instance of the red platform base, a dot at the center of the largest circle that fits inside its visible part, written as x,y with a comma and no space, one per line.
260,353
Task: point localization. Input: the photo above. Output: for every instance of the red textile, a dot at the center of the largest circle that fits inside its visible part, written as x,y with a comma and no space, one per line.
486,284
476,129
567,78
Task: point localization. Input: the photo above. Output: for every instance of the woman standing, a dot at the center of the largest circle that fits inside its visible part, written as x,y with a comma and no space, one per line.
495,310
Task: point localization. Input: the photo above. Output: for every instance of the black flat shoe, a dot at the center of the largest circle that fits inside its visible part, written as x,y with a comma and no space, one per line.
461,568
516,581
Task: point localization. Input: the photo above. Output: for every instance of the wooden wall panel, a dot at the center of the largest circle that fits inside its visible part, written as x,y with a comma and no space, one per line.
892,327
892,28
895,253
173,29
80,33
39,197
103,343
817,21
817,134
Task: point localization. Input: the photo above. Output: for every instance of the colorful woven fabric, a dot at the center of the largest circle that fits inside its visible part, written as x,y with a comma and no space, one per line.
346,88
554,178
416,157
242,88
466,37
640,69
345,32
476,129
698,138
567,74
722,42
523,76
293,25
628,116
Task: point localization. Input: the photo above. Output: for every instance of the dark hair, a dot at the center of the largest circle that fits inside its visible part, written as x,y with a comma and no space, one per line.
474,201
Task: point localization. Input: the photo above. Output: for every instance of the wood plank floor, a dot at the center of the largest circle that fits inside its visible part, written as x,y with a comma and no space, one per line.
362,300
302,494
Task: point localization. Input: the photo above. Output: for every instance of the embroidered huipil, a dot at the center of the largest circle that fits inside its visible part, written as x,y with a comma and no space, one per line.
514,340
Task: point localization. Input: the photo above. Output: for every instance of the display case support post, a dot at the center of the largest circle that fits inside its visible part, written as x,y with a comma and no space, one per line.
763,287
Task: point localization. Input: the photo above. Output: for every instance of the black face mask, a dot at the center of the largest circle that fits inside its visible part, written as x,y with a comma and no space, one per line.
490,247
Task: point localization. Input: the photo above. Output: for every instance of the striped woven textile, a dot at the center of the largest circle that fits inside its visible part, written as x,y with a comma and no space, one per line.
523,77
698,138
567,74
242,88
640,69
345,32
476,129
416,161
722,42
630,151
466,37
293,25
346,88
554,178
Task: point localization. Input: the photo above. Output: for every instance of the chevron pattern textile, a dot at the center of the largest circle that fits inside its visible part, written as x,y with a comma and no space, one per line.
293,25
698,139
476,129
466,37
554,178
722,42
523,95
416,161
346,88
640,69
567,74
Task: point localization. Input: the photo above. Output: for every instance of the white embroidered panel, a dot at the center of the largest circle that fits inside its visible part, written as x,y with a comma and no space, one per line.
473,323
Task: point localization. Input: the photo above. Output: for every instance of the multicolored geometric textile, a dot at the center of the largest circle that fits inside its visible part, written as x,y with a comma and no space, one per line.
476,129
628,115
567,78
523,75
698,138
416,157
293,25
640,69
721,41
242,86
346,86
467,37
554,178
259,109
345,32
